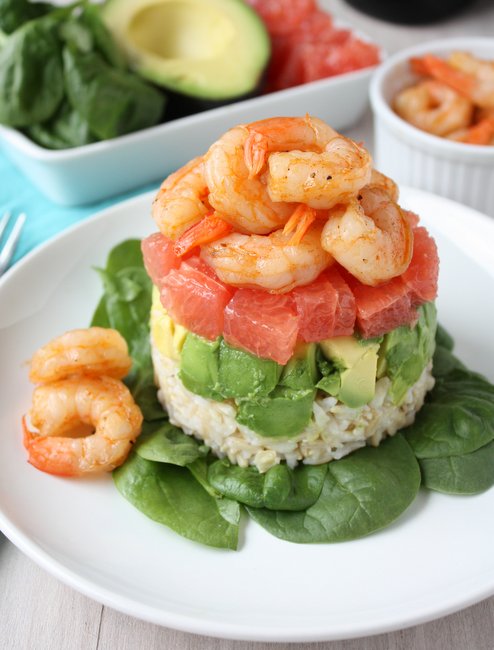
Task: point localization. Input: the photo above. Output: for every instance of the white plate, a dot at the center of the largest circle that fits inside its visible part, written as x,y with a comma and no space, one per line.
97,171
435,559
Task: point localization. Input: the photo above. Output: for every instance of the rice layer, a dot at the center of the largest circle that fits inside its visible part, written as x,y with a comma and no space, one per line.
334,430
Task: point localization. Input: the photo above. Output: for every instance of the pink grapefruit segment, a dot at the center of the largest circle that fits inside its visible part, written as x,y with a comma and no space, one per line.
262,323
326,307
195,299
382,308
346,307
422,274
159,257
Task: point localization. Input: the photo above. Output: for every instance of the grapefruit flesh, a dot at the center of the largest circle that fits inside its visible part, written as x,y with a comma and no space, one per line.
346,307
195,299
282,16
326,307
262,323
382,308
159,257
422,274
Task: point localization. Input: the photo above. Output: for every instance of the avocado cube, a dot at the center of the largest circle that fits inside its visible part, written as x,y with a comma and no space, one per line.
285,413
407,350
243,375
354,382
301,369
345,351
330,384
358,383
199,366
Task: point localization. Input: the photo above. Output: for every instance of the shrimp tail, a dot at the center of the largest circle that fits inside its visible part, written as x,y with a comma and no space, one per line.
255,153
418,66
298,224
209,229
480,133
39,456
444,72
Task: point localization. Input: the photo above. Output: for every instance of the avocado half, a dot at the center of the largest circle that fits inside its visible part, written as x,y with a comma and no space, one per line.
205,49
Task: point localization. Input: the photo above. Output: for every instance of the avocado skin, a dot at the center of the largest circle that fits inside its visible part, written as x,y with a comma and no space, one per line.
284,413
181,104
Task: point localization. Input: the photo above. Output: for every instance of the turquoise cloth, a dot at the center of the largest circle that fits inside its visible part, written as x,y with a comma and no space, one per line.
44,218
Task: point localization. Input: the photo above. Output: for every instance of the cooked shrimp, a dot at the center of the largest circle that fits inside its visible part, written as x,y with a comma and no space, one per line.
242,200
209,229
268,262
385,183
434,107
67,406
320,180
371,237
93,351
480,133
470,76
284,134
182,199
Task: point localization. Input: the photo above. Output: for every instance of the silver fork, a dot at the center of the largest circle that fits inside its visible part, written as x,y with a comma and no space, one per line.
8,248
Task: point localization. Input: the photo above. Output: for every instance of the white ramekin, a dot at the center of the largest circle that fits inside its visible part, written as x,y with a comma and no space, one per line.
459,171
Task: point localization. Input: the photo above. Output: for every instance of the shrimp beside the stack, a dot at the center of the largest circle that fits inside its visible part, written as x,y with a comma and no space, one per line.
83,419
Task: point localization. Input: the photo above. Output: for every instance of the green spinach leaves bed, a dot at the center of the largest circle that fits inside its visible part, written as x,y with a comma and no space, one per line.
63,79
176,481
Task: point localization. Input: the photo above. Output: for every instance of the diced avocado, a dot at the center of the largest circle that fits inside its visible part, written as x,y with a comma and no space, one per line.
407,350
345,351
353,381
358,383
167,335
242,374
301,369
207,49
283,414
331,383
199,363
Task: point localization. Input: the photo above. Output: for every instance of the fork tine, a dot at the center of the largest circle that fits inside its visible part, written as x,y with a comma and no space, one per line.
3,222
9,247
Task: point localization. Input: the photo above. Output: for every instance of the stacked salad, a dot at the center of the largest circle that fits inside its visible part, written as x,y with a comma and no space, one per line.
287,401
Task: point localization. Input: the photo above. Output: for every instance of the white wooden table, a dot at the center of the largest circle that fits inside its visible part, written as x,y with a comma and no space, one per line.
39,613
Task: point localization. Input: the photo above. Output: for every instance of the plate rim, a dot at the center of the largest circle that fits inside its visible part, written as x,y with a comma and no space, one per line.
188,622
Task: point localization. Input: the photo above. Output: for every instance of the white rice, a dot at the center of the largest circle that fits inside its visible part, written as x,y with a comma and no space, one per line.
334,431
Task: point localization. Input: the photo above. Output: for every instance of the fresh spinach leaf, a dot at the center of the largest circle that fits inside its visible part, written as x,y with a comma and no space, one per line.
14,13
170,495
66,129
280,488
113,102
167,444
466,474
443,338
458,416
444,362
103,40
125,306
31,76
75,33
362,493
199,470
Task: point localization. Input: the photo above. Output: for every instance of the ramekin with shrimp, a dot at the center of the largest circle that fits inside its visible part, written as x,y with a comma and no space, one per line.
434,119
